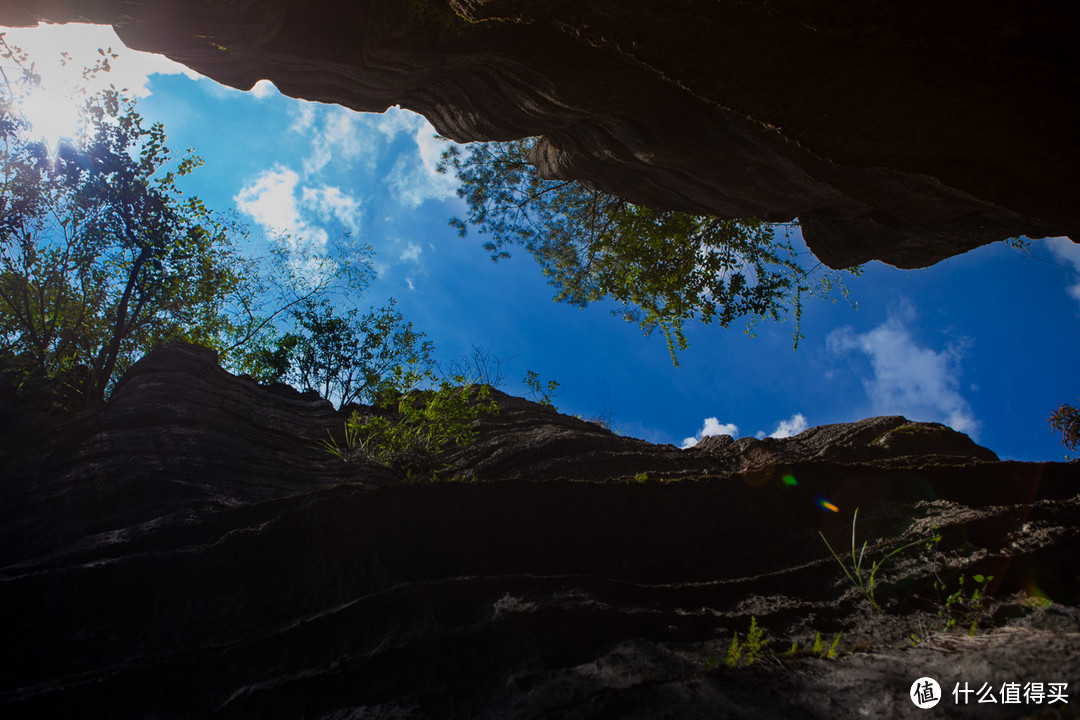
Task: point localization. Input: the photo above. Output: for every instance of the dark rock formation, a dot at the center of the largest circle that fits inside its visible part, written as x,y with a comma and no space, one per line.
906,134
189,551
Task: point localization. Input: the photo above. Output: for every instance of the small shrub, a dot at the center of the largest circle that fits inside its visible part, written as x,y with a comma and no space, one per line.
538,391
818,648
835,646
751,651
755,642
1066,420
965,608
411,430
734,652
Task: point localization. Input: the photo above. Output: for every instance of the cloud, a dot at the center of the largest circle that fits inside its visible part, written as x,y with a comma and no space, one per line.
264,89
396,121
330,203
792,426
337,135
303,115
411,253
282,205
271,199
413,177
712,426
1066,251
908,379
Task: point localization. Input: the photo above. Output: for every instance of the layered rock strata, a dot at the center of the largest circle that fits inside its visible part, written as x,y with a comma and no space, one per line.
190,551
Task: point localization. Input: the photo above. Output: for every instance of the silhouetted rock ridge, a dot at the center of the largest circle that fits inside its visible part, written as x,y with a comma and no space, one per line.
189,551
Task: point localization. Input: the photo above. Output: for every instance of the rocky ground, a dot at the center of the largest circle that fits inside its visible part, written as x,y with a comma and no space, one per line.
191,551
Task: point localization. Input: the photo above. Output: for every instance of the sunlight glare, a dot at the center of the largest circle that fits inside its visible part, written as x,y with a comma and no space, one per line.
52,116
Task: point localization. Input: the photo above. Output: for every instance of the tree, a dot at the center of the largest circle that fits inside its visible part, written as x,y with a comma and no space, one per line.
663,267
1066,420
101,255
342,356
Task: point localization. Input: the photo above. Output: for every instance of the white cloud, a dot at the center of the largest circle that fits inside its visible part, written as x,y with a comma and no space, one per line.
303,117
330,203
411,253
264,89
396,121
271,200
711,426
908,379
1066,251
282,205
337,135
275,200
278,201
792,426
413,178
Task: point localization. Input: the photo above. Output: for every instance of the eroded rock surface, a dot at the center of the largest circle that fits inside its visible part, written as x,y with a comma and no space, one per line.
907,134
189,551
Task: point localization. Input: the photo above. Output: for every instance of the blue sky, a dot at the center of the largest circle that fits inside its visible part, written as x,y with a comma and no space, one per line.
985,342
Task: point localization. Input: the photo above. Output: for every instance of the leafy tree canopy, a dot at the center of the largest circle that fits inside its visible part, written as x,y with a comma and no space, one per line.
100,253
102,258
663,267
344,356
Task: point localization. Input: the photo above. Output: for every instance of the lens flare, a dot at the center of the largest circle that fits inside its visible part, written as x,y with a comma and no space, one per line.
789,480
52,116
822,502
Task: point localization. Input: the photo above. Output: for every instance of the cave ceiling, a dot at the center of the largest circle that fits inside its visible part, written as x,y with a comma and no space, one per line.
902,133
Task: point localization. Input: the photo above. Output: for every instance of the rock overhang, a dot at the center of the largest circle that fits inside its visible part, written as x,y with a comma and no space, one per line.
906,137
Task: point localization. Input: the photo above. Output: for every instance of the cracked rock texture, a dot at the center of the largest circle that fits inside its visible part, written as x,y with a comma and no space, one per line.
906,133
188,551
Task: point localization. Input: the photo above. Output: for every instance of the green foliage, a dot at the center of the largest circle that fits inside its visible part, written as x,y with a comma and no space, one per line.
103,258
863,579
345,357
734,652
750,651
831,652
1021,243
817,649
410,430
965,607
352,445
833,648
663,267
755,642
538,391
918,637
1066,420
101,255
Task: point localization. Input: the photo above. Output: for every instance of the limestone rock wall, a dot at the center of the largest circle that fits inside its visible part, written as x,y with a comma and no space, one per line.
189,552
